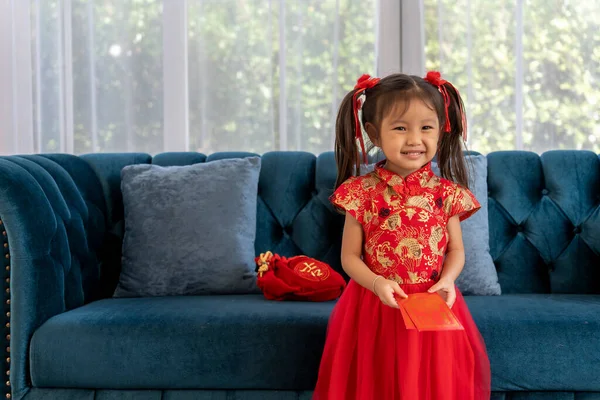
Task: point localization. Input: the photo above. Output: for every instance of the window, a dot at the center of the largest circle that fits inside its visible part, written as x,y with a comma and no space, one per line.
84,76
528,70
199,75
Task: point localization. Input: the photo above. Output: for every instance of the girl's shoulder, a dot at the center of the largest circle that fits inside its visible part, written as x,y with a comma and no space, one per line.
366,182
355,194
458,200
438,184
446,183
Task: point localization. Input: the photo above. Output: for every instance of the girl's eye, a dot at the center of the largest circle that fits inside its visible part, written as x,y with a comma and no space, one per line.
427,127
399,128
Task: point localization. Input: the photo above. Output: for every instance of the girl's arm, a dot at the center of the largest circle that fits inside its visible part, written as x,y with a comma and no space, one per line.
453,265
354,266
455,253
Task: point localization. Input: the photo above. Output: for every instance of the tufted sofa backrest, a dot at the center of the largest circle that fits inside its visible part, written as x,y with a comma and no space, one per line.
544,212
293,212
544,215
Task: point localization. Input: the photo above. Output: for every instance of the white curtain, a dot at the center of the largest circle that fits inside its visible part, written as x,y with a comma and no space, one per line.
83,76
529,70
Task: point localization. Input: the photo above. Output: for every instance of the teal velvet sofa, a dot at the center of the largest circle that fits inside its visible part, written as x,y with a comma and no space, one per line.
66,338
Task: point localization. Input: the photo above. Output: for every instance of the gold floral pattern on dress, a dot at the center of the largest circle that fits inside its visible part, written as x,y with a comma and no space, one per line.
392,222
410,212
435,238
423,216
370,182
395,180
367,216
390,197
404,220
383,250
419,201
428,182
409,248
448,205
464,203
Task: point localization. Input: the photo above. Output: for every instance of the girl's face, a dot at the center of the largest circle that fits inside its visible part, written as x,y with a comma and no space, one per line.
408,137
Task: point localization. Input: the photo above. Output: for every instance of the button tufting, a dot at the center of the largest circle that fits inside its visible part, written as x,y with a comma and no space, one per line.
287,231
280,230
519,228
544,192
577,230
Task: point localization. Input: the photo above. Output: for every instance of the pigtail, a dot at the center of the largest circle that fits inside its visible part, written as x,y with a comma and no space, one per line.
451,158
347,157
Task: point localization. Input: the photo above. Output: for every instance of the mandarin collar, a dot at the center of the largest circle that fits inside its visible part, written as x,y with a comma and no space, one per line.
398,182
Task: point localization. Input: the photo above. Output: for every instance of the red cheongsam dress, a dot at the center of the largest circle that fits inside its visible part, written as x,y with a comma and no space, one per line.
369,354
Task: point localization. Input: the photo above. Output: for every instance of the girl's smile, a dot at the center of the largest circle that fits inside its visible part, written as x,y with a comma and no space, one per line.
408,136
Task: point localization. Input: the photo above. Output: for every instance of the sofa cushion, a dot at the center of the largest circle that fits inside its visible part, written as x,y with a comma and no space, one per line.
541,341
189,229
535,342
478,276
182,342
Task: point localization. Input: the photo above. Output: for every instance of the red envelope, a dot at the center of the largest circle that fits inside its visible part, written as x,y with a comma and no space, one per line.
407,321
428,312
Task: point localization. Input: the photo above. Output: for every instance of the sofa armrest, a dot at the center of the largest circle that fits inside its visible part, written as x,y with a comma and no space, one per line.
37,256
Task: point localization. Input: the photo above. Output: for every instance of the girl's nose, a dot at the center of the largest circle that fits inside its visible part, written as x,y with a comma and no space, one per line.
413,137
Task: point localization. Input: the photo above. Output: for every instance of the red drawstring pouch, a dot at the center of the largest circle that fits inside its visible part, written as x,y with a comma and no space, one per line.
298,278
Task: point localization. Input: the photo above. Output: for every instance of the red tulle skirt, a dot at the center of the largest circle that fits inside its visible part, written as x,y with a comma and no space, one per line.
370,355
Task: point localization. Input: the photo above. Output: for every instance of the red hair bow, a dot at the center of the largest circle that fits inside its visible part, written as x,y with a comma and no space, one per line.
363,83
366,81
435,78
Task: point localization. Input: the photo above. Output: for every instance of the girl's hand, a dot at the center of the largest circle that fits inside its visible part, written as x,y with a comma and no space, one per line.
387,290
446,289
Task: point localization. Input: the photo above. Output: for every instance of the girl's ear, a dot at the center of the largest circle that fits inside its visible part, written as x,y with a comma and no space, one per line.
372,133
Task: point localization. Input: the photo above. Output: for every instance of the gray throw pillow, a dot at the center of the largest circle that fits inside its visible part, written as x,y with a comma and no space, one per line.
479,276
189,230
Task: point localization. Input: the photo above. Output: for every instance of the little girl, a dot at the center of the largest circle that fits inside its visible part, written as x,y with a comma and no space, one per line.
402,235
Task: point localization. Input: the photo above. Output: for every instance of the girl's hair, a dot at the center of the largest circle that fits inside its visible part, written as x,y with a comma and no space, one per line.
385,97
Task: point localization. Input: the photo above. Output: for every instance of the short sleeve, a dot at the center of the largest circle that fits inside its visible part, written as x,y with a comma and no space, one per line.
464,203
351,197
